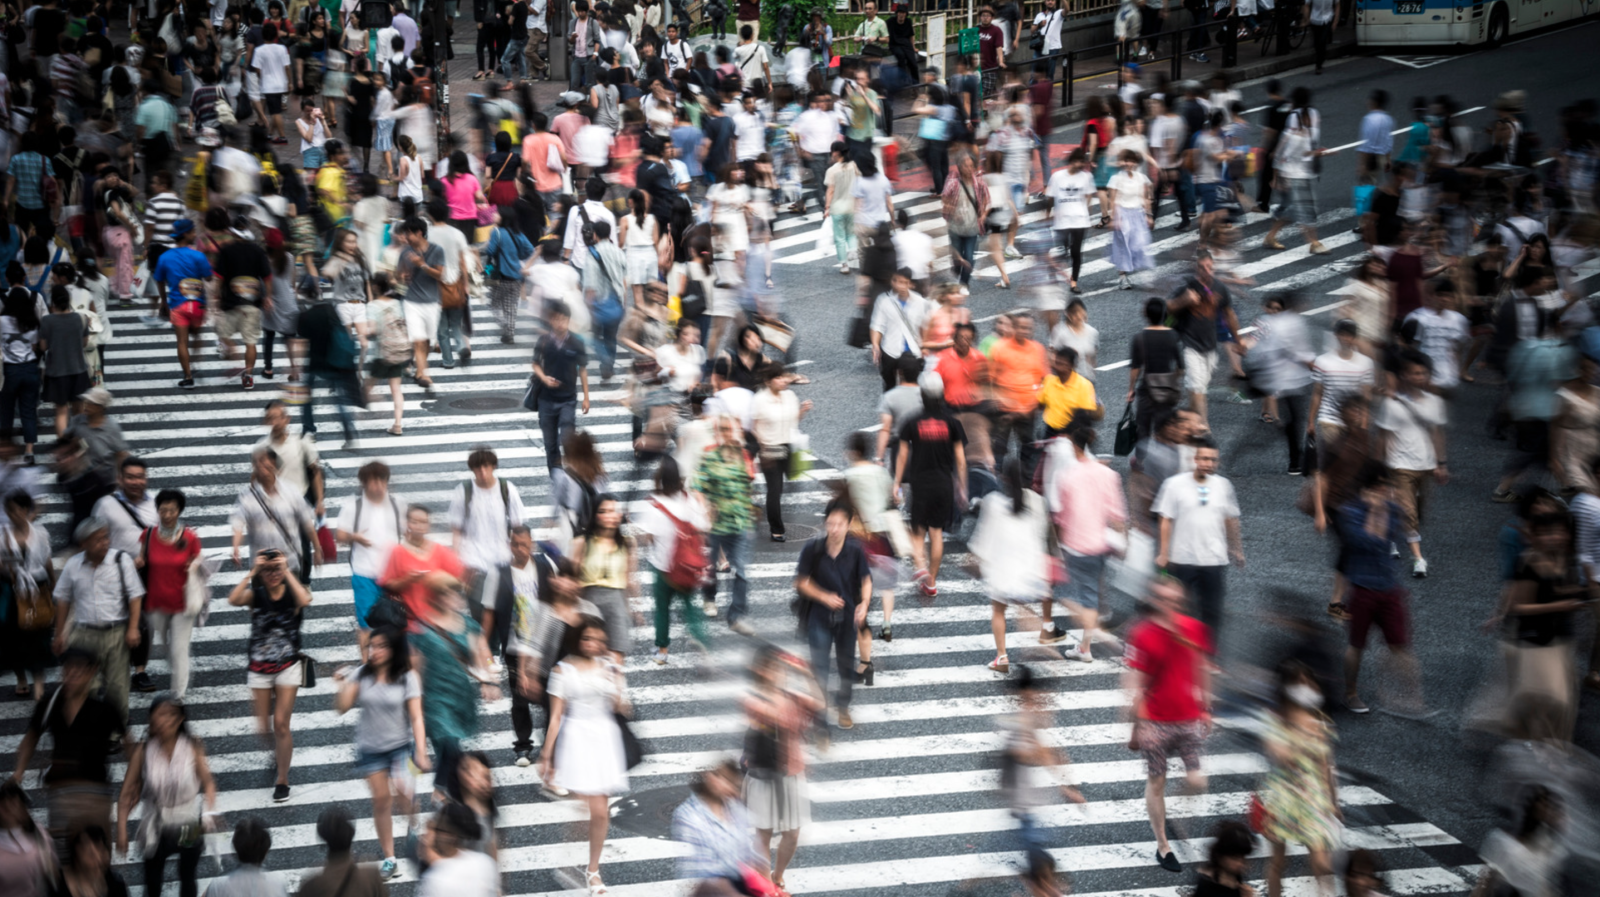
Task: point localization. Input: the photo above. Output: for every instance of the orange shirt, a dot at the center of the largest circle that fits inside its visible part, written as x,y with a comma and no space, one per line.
1017,371
402,560
962,376
535,152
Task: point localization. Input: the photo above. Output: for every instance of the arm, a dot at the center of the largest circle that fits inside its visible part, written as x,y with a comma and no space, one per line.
886,420
418,733
129,798
1235,543
808,587
1441,474
1165,542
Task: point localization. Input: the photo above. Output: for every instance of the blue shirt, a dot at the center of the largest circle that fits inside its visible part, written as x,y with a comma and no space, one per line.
184,272
1375,136
29,169
687,138
1367,562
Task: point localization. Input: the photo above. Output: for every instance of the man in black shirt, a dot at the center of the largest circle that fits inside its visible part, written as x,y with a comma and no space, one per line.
933,460
1196,307
517,44
46,23
1271,128
242,276
655,178
560,364
83,729
835,587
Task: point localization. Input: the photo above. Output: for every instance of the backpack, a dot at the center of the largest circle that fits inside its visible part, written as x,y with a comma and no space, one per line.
690,564
505,499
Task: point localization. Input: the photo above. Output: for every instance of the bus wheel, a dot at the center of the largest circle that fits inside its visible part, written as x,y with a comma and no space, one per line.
1499,27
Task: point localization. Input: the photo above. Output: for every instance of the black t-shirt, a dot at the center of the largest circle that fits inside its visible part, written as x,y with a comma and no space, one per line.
719,130
244,270
654,179
562,361
1543,629
80,746
519,21
1277,120
1156,352
840,574
504,166
933,436
1206,886
1386,206
1197,323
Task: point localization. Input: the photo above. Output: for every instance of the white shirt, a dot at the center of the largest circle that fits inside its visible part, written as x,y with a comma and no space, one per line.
592,145
1085,342
272,61
734,402
126,528
382,523
1410,420
467,874
574,238
1440,336
872,200
682,368
751,59
96,592
1167,129
1070,192
750,135
662,531
295,455
678,55
913,249
818,131
775,417
1199,530
889,318
1130,189
484,538
1051,20
454,244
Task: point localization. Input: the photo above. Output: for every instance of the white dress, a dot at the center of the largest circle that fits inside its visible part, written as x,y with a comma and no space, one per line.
589,756
1010,548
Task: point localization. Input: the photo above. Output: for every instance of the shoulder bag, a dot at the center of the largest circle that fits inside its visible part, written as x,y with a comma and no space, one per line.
1164,388
35,608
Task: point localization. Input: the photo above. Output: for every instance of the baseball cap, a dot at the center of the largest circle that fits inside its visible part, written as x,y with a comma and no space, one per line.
98,395
181,227
569,98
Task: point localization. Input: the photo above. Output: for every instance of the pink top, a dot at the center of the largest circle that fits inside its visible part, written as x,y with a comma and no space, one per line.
461,192
1089,499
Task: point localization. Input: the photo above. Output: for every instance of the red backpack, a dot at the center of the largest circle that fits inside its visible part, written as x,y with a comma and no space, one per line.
690,564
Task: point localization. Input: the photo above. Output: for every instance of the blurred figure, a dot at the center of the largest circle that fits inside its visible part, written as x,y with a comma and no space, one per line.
1008,547
835,583
1029,777
27,863
251,841
87,869
1227,863
779,710
277,601
82,729
1539,606
1300,797
454,869
166,775
1370,526
451,656
341,875
716,826
1528,858
1361,873
25,554
1090,512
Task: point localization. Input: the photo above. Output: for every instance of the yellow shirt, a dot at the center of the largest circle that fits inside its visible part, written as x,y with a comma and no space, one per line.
330,187
1060,400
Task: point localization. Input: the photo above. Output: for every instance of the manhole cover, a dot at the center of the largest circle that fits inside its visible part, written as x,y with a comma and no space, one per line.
799,532
649,813
479,404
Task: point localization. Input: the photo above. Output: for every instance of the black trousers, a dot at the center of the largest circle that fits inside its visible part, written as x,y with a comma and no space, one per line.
1072,242
522,708
888,367
1293,409
486,46
1206,587
936,155
188,864
1198,38
1321,37
775,471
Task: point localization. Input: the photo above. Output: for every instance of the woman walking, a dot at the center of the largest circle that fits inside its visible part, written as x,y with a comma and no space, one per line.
276,598
642,241
587,692
27,569
27,859
167,555
716,826
779,710
464,194
280,315
351,274
389,731
1538,606
1300,797
607,559
1001,216
386,323
775,415
19,347
672,506
409,174
576,487
1130,194
1575,432
1008,546
166,775
1295,172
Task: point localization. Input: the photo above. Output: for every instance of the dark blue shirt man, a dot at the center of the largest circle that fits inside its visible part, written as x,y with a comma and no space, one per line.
560,366
835,588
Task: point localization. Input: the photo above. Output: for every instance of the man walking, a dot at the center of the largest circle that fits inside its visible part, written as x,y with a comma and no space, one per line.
128,513
1089,504
834,580
482,515
372,525
560,366
898,318
421,268
1199,306
184,272
724,479
1200,532
100,592
1412,422
1368,528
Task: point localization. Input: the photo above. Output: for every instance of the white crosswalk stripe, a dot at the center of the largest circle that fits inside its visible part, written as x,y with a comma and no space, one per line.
899,807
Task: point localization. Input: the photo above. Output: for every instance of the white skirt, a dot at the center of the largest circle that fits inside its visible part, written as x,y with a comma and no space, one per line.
589,756
644,265
777,805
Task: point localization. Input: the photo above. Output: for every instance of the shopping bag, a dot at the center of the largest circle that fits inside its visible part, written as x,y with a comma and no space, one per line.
1127,433
1129,573
825,236
141,280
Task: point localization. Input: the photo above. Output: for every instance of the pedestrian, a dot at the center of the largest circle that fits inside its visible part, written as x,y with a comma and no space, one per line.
167,775
389,732
454,869
1008,549
243,271
421,268
62,335
1019,368
560,366
870,489
166,555
1227,867
1202,309
1300,796
87,866
1282,358
280,312
386,323
25,554
1538,607
28,861
183,272
1155,368
775,415
778,711
524,592
251,842
965,205
450,657
587,694
273,517
372,543
299,466
341,875
1200,532
417,562
607,559
839,202
1031,776
835,585
1412,422
1131,201
1341,455
716,827
1168,658
506,251
1369,526
19,394
1336,376
101,591
933,462
482,515
347,267
1066,396
1090,519
1001,222
277,601
83,730
1067,195
1299,146
724,479
674,513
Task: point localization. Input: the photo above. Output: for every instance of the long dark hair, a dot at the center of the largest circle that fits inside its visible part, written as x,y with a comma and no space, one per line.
1016,490
636,199
399,655
571,642
459,164
19,306
594,523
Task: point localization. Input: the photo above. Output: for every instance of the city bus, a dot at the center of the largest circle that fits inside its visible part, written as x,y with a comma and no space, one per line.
1410,23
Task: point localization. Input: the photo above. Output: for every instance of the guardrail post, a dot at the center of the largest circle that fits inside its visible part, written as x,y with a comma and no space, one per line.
1071,56
1066,80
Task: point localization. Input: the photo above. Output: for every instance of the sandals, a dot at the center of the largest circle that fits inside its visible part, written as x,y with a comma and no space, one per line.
1001,664
1268,419
393,432
1105,222
596,886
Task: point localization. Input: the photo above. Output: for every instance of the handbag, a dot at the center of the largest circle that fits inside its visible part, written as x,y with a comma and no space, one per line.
859,333
454,294
692,305
530,399
308,671
1127,433
632,750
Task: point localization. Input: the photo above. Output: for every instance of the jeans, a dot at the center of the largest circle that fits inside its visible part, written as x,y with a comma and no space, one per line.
1293,409
188,864
1206,586
580,72
1084,572
340,383
736,548
664,594
1042,147
522,708
512,58
817,164
1023,425
557,418
965,246
450,333
604,343
844,235
20,396
1199,38
821,634
775,471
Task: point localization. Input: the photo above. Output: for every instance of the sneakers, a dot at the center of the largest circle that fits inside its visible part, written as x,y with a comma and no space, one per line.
141,682
186,383
886,633
388,868
845,722
1318,249
352,445
844,269
524,759
660,657
1355,705
1013,253
1338,611
280,793
248,382
1052,635
1419,568
1199,57
1503,496
742,627
710,608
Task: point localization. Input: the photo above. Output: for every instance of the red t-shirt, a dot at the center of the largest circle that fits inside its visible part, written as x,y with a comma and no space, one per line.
1039,93
961,376
403,560
990,41
167,570
1173,666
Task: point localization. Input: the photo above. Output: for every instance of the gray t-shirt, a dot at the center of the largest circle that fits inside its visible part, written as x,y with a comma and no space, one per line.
424,288
384,724
903,403
63,333
104,442
1207,170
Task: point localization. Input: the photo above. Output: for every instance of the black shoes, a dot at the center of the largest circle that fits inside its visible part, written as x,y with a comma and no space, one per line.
280,793
141,682
1168,861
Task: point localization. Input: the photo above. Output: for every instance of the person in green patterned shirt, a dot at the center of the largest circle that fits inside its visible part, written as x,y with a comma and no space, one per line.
724,479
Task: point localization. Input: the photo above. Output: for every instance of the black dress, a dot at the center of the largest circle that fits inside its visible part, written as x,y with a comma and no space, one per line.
358,121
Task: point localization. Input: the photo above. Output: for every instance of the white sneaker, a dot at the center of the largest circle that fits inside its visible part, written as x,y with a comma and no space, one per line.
660,657
844,269
1419,569
1013,253
710,608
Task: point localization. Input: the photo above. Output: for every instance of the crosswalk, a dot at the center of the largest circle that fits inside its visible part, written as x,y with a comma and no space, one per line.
905,803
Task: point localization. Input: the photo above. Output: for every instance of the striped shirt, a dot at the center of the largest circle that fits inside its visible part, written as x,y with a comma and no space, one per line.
1339,378
203,106
159,213
64,72
29,169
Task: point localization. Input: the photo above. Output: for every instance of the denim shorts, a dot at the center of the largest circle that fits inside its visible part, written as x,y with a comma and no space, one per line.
381,761
366,593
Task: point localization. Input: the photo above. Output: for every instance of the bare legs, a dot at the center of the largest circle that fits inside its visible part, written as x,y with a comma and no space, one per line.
273,721
1321,868
599,824
787,842
1155,803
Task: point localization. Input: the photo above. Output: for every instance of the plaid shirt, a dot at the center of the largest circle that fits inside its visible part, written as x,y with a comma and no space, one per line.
717,847
29,169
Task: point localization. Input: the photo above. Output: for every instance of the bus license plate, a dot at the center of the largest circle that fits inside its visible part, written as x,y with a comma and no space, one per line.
1408,7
